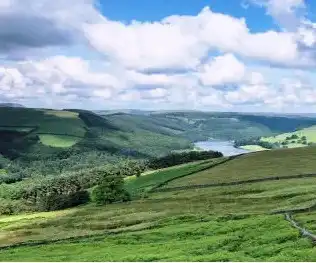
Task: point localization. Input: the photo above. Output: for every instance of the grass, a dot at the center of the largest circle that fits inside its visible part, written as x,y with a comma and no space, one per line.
309,133
263,164
308,220
46,121
247,200
60,141
189,238
253,148
152,180
231,223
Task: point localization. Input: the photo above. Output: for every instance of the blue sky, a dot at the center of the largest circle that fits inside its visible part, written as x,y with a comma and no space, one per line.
144,10
232,55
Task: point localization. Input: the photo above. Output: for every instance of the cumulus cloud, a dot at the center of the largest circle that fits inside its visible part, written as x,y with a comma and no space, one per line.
182,41
222,70
57,76
29,25
193,61
286,12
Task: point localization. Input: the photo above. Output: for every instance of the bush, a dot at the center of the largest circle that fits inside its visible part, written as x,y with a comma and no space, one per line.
110,190
55,193
10,207
56,202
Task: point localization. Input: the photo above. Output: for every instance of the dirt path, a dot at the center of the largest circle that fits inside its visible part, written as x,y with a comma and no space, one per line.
304,232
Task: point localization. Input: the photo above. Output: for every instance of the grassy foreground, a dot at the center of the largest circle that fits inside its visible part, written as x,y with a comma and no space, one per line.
230,223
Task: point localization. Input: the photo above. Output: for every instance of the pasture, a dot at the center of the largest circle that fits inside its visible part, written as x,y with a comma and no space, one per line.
282,162
309,133
42,121
242,222
61,141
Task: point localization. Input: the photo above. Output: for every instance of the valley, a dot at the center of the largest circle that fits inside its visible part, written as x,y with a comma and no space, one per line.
183,204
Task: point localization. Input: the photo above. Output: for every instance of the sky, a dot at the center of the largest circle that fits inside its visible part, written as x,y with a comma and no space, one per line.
212,55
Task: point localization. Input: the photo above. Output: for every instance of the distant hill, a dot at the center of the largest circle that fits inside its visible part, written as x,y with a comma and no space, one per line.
12,105
46,141
126,111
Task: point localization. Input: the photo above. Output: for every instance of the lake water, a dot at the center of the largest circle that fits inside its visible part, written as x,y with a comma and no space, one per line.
225,147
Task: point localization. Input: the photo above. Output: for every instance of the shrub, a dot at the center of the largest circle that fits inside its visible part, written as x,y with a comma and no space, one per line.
55,193
55,201
9,207
110,190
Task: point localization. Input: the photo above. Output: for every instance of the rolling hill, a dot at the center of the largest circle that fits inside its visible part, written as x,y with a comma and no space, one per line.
298,138
45,142
248,221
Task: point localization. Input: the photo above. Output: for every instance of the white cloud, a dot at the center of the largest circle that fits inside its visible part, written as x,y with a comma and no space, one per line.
285,12
170,61
221,70
182,41
64,76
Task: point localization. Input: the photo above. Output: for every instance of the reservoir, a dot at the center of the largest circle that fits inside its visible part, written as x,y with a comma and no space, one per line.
225,147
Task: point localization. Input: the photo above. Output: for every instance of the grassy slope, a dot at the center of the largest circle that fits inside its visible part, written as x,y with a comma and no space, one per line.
123,134
152,180
212,224
47,121
55,128
281,162
310,134
253,148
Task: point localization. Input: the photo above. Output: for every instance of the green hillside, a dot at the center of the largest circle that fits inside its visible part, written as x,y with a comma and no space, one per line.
241,222
44,142
295,139
42,121
235,126
255,166
299,138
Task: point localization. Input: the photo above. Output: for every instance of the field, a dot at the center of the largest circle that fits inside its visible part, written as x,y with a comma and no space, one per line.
253,148
62,141
256,166
244,222
309,133
44,121
154,180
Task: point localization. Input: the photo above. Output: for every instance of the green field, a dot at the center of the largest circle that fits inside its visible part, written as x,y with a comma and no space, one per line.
182,238
45,121
282,162
253,148
62,141
309,133
227,223
150,181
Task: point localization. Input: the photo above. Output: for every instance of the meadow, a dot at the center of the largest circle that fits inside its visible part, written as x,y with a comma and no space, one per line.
44,121
253,148
199,221
281,162
62,141
243,222
309,133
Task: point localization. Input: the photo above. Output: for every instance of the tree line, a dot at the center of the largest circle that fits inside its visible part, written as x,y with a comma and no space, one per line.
182,157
